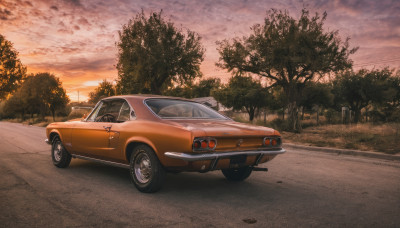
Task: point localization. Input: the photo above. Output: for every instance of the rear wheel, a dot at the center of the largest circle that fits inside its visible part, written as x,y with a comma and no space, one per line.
60,156
146,171
237,174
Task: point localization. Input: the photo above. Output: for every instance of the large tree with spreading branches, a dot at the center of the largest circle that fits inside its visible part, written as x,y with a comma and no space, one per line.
288,52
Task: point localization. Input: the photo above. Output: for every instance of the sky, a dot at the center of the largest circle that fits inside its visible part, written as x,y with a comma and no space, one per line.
75,39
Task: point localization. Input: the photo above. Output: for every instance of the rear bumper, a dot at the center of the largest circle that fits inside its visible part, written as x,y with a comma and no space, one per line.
215,157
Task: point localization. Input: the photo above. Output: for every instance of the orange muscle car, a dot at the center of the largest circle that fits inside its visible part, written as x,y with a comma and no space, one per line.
152,135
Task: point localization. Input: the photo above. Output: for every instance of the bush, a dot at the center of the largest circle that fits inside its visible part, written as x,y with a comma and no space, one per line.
279,124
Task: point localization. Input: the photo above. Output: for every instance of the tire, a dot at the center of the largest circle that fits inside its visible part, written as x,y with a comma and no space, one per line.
146,171
238,174
60,156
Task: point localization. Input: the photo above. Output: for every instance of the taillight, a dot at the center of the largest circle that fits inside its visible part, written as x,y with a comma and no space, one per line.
272,141
204,144
196,144
212,143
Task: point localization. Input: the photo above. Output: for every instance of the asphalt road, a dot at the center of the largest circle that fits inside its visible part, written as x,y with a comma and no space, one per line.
302,189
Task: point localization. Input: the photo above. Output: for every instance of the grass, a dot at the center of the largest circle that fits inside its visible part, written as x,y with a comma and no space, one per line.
37,121
369,137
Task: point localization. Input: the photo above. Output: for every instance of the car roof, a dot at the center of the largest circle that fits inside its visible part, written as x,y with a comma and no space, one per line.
144,97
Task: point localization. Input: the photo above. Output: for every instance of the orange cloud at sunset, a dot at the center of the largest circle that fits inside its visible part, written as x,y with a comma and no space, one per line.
75,39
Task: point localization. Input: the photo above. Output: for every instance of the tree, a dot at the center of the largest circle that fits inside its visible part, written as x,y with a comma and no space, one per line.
201,89
39,94
316,95
205,87
12,72
289,53
362,88
153,53
105,89
243,93
391,107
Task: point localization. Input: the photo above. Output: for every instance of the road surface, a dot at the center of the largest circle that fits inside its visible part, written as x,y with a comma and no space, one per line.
301,189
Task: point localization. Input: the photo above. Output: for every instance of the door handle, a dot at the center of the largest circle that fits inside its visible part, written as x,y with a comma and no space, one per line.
107,128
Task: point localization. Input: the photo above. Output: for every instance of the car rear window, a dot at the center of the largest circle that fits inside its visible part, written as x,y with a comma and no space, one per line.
180,109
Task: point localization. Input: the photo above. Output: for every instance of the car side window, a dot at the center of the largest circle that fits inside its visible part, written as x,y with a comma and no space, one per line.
124,113
95,112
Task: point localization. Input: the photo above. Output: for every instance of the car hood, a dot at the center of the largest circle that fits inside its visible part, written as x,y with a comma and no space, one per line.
223,128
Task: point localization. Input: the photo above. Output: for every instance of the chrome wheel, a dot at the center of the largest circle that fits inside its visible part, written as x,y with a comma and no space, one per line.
60,156
57,151
142,167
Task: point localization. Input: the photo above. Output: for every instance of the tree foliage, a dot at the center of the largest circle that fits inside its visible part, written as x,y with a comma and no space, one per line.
316,95
12,72
201,89
153,53
362,88
288,52
243,93
39,94
105,89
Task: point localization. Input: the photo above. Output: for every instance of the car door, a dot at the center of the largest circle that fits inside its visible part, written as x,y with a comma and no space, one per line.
116,150
92,136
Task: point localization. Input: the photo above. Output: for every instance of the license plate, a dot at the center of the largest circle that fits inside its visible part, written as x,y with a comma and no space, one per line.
237,161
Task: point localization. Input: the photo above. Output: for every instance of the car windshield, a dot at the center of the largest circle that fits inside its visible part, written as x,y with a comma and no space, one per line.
179,109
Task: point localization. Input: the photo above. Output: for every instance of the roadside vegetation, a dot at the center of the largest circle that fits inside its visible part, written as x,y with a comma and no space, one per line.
384,137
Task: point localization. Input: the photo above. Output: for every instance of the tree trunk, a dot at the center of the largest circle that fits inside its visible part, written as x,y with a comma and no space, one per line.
53,112
357,115
251,114
265,116
294,121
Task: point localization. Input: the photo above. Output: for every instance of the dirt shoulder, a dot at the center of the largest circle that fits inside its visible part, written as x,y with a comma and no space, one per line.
383,138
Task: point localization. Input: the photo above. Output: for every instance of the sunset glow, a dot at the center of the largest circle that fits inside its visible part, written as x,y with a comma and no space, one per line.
75,39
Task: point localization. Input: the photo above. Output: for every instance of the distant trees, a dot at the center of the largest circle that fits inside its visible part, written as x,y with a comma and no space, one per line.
243,93
365,87
201,89
39,94
153,54
289,53
316,95
12,72
105,89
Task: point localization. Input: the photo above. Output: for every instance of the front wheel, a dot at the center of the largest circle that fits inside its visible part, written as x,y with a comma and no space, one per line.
60,156
146,171
237,174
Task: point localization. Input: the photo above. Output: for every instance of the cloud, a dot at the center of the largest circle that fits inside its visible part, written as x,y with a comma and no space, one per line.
73,2
54,8
27,3
83,21
5,14
79,65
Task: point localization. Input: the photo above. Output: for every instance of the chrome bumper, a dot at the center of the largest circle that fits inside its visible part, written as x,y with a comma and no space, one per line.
215,157
47,141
